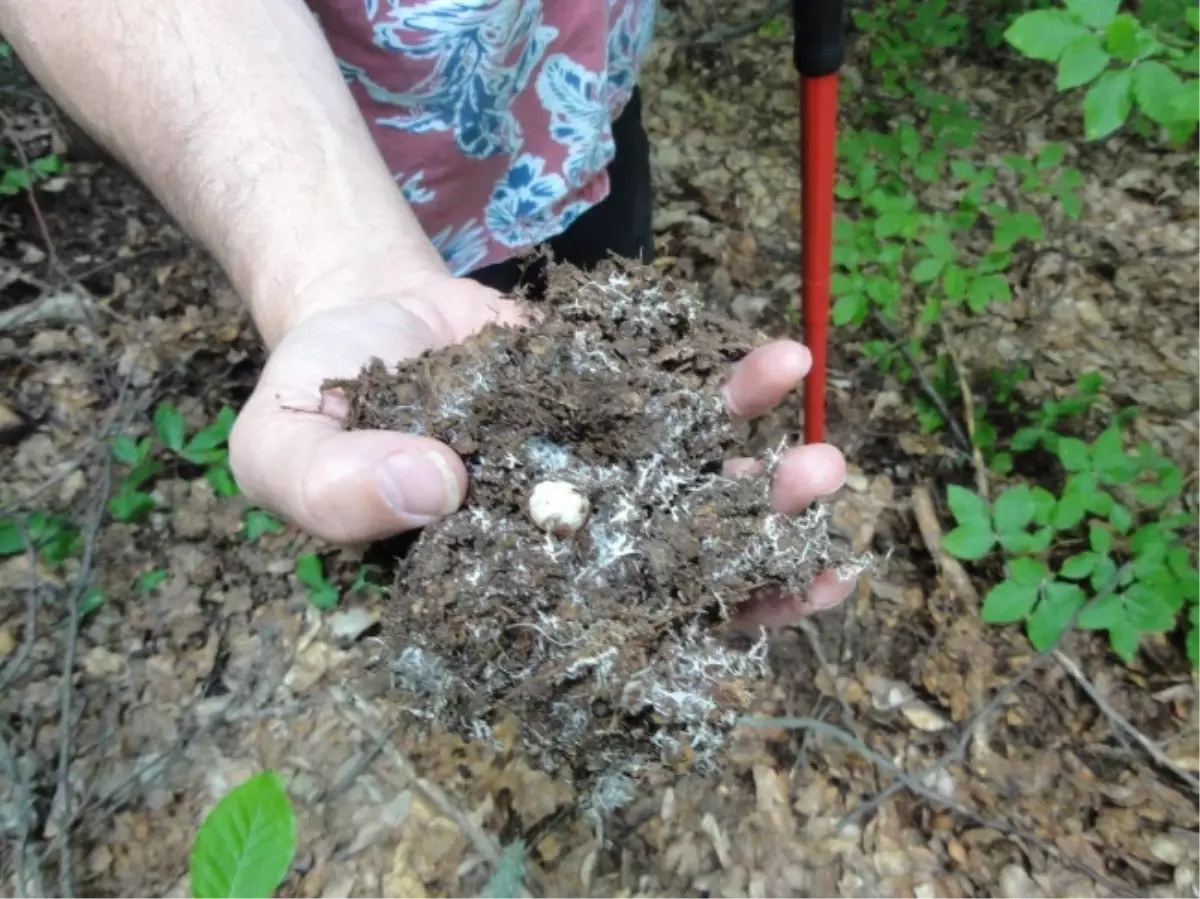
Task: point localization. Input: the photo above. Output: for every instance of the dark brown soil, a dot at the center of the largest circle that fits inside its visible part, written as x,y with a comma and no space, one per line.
601,642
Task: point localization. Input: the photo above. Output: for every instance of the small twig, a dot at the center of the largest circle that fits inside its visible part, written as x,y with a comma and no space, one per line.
33,605
927,386
1121,723
968,399
914,783
28,881
51,252
957,752
723,34
82,581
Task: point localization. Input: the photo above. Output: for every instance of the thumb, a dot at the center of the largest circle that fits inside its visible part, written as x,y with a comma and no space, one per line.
342,486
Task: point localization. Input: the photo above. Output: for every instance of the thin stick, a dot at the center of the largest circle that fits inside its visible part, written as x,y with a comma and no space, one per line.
913,783
82,581
927,386
1121,723
968,398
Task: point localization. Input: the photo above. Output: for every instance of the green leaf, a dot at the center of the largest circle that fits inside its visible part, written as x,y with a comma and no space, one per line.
257,522
1030,572
246,844
1069,511
1013,510
1043,34
1102,614
1125,37
968,507
1060,602
987,288
1124,640
926,270
1008,601
1078,566
1051,155
508,879
310,571
1193,646
1120,518
1073,453
1155,87
11,541
1147,610
125,450
1081,62
1186,105
222,480
954,282
1043,504
1026,439
1107,103
148,580
1107,450
849,308
1096,14
1099,538
169,425
969,541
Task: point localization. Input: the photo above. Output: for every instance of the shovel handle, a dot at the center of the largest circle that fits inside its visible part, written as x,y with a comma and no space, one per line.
820,43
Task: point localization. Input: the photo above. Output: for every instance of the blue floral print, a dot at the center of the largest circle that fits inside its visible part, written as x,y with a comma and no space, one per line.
579,117
457,68
521,211
461,248
483,53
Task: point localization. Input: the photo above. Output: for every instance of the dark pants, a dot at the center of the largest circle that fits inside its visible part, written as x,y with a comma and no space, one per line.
619,225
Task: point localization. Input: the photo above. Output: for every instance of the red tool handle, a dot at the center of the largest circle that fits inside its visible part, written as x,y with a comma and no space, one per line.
818,52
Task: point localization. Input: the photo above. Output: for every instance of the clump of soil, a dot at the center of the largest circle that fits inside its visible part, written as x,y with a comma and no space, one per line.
606,643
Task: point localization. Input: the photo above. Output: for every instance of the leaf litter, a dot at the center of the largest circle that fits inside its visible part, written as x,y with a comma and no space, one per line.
226,670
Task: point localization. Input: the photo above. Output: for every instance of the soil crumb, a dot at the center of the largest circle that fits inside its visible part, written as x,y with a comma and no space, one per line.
603,641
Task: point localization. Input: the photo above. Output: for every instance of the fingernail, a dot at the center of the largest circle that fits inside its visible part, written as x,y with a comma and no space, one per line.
418,484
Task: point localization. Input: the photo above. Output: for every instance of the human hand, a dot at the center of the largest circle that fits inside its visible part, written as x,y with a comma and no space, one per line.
758,384
288,449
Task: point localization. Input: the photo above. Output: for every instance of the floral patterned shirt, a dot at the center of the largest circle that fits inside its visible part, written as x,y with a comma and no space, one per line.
494,115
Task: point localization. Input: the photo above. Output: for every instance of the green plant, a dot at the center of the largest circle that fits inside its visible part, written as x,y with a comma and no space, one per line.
1106,551
256,522
246,843
148,580
130,501
206,449
51,536
16,177
1126,63
311,573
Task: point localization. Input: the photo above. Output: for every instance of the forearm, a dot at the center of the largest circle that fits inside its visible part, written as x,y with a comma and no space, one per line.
234,113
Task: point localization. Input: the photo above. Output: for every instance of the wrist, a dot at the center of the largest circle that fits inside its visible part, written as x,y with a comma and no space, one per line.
280,305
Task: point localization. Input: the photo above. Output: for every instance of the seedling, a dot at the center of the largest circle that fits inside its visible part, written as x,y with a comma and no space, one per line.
1138,571
311,573
52,537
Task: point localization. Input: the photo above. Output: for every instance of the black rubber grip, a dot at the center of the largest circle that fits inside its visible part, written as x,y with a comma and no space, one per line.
820,45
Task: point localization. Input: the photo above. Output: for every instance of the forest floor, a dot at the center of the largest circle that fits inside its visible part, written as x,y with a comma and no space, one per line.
942,756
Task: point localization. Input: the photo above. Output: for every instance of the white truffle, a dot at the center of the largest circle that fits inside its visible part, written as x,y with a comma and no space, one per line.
558,508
